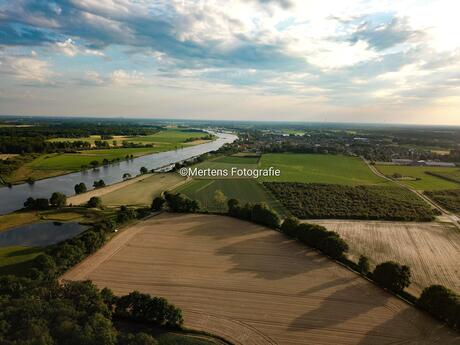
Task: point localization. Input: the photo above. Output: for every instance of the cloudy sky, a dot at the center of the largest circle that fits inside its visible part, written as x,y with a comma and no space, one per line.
307,60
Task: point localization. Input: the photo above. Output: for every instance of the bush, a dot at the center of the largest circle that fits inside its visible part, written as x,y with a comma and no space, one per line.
363,264
393,276
158,203
126,214
442,303
262,214
289,226
333,246
180,203
94,202
99,184
144,170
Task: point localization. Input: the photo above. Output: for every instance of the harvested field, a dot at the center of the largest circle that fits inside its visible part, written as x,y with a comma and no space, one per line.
431,250
252,285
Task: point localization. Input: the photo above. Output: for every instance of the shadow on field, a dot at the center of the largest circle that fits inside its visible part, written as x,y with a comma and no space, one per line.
340,306
403,326
271,256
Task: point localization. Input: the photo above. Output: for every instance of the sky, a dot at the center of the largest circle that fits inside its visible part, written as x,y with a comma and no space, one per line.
380,61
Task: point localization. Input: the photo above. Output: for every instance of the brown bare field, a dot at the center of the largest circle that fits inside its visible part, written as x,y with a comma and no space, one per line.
143,191
80,199
4,156
252,285
431,250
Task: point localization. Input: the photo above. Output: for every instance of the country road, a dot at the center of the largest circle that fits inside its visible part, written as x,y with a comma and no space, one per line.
445,214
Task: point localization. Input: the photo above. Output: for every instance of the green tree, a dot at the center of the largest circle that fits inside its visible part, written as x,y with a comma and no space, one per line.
94,202
442,303
58,200
393,276
144,170
219,199
80,188
290,226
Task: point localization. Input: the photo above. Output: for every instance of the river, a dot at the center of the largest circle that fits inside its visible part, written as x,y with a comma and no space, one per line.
12,199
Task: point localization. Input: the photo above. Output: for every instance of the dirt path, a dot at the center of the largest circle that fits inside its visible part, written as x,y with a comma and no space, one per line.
251,285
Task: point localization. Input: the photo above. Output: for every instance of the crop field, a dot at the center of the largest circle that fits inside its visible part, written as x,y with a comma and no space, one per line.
143,191
431,250
448,199
426,181
247,190
252,285
317,168
309,200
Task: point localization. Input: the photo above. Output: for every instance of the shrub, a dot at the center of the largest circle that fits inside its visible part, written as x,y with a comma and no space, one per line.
393,276
158,203
333,246
99,184
442,303
180,203
289,226
262,214
94,202
363,264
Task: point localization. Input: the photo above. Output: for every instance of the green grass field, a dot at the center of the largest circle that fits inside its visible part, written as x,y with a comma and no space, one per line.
66,162
317,168
242,190
169,136
142,192
74,161
16,259
227,163
426,182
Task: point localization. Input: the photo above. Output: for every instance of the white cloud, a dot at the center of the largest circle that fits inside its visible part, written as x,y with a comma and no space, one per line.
69,48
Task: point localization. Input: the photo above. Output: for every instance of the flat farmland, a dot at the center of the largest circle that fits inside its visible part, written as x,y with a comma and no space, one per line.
319,168
424,181
142,191
431,250
252,285
244,190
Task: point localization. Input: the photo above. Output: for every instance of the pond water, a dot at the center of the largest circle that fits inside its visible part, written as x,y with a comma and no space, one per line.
40,234
12,199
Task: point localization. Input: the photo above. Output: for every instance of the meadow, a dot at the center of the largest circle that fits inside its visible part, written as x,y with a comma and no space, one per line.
424,181
17,259
244,190
318,168
227,163
251,285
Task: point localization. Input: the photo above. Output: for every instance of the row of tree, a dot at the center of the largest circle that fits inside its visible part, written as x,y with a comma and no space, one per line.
257,213
57,200
316,236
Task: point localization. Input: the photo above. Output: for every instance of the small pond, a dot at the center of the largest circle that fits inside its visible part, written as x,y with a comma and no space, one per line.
40,234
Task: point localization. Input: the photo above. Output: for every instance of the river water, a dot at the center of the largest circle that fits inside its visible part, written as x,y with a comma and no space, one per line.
12,199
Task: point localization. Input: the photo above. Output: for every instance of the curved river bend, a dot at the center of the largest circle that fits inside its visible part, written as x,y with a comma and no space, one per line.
12,199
